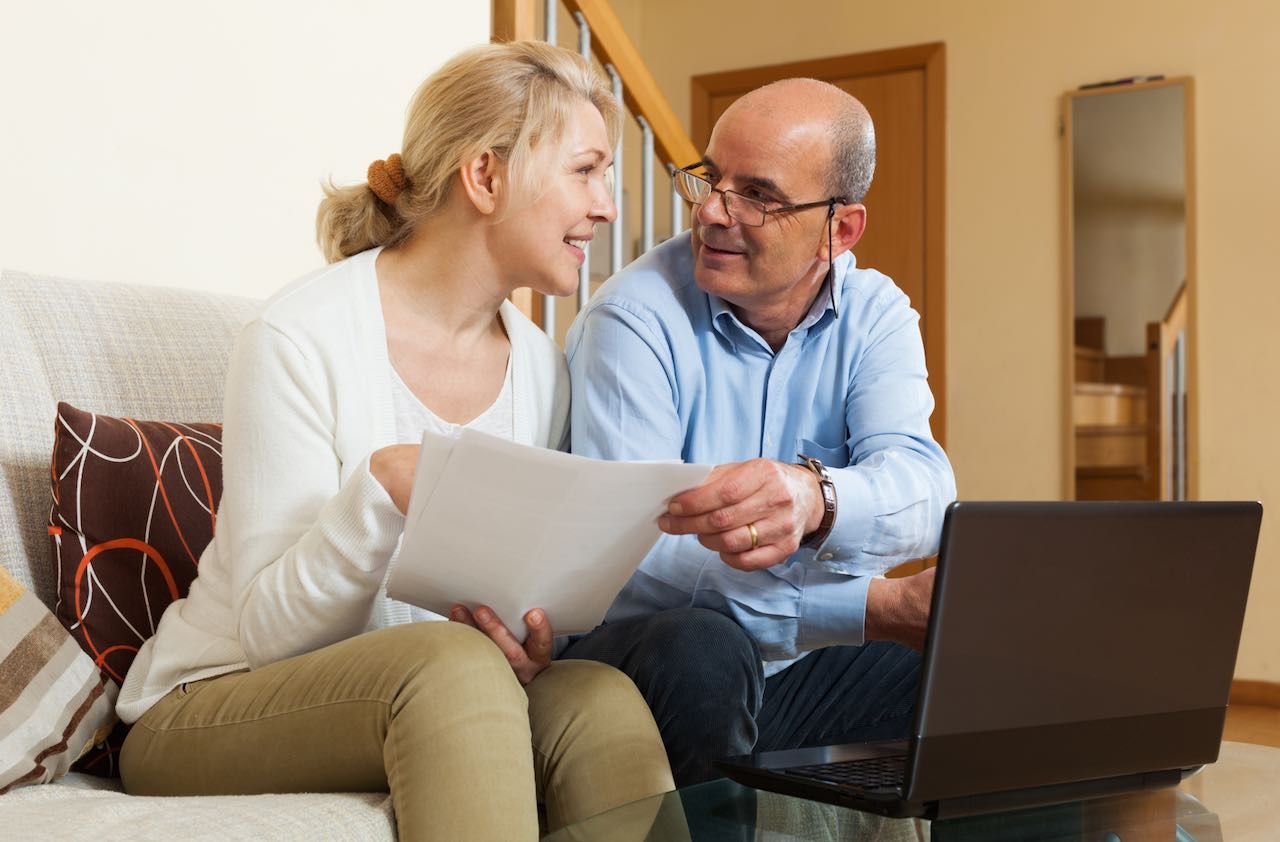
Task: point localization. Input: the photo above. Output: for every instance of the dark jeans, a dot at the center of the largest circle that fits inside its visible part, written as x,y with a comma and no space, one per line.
703,679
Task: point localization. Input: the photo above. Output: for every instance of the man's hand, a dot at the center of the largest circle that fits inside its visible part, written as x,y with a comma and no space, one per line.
526,660
776,503
898,609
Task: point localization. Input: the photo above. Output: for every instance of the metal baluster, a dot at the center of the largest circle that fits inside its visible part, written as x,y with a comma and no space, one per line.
549,315
584,36
618,229
584,271
550,18
677,204
646,183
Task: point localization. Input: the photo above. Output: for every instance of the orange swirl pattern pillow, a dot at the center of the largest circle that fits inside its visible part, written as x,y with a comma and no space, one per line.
134,505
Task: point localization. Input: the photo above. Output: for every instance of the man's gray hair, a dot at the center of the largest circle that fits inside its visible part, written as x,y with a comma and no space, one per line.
853,154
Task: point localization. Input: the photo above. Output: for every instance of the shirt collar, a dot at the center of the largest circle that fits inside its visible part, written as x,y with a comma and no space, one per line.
722,314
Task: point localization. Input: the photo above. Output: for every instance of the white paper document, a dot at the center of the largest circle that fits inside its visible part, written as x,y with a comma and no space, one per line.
516,527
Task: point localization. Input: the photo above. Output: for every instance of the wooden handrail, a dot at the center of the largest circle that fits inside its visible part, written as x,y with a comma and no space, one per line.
1162,338
1175,318
612,45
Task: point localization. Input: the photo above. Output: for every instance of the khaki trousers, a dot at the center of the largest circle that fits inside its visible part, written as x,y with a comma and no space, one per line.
430,711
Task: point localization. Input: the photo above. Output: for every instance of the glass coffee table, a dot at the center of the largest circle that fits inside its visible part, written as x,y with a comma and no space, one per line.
1237,798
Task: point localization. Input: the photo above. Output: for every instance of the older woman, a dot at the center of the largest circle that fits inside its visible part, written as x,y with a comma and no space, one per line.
287,668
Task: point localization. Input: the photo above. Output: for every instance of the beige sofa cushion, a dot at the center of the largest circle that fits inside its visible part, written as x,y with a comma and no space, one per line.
78,809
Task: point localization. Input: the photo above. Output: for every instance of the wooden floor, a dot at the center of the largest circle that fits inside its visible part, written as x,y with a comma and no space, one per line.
1253,724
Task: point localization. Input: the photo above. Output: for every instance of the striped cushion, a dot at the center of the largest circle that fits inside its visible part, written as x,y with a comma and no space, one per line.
53,701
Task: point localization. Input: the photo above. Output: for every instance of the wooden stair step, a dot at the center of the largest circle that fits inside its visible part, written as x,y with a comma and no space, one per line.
1114,482
1108,403
1113,472
1091,332
1110,446
1110,430
1091,364
1102,388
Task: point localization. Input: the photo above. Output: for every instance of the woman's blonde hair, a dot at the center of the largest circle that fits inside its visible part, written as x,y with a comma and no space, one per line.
508,98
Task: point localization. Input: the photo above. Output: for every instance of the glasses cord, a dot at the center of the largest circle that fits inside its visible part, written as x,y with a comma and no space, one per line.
831,261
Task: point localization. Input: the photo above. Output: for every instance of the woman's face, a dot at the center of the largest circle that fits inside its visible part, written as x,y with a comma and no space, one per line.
542,240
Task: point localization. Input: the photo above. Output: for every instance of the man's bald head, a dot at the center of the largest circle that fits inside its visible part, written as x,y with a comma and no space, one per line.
792,102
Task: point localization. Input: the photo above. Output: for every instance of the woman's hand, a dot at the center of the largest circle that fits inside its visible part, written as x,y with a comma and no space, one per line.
394,468
526,660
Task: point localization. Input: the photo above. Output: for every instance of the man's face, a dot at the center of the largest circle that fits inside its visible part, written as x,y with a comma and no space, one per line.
757,268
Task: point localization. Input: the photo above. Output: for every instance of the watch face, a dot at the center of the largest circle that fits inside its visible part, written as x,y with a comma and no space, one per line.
828,495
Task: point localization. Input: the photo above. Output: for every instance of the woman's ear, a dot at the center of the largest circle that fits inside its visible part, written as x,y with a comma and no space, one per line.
483,181
847,227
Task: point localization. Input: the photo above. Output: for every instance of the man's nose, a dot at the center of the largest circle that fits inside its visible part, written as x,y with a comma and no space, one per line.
713,211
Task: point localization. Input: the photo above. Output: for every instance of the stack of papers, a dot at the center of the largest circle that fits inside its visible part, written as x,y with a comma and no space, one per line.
516,527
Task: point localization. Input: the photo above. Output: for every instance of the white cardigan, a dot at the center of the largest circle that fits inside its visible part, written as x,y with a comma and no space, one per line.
304,532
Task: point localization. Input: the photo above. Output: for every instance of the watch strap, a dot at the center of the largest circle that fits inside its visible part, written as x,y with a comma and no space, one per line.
828,489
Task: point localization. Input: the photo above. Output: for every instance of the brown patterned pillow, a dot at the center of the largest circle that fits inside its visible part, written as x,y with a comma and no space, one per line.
134,505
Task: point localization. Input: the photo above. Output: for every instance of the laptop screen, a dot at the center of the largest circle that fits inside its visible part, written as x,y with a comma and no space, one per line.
1058,627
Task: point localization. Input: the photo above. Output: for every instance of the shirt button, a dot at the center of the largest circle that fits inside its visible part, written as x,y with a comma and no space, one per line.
826,557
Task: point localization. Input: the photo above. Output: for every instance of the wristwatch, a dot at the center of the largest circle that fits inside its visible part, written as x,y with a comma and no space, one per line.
816,537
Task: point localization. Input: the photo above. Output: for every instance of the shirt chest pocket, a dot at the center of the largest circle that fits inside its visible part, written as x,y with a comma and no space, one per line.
836,456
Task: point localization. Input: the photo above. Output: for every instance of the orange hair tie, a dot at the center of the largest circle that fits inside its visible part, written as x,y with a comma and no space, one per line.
386,178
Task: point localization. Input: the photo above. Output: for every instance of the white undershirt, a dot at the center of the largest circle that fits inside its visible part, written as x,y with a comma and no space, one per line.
412,418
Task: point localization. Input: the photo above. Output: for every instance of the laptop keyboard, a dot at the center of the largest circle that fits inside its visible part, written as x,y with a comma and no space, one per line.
868,773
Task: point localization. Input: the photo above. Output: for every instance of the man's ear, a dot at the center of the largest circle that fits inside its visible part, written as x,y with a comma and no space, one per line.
483,181
847,227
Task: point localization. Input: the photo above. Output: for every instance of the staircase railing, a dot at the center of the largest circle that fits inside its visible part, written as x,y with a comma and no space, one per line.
1167,400
663,138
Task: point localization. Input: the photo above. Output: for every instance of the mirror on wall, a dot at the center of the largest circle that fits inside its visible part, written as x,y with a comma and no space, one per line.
1129,229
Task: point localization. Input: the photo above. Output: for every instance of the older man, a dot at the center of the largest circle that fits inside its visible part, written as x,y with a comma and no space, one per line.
758,621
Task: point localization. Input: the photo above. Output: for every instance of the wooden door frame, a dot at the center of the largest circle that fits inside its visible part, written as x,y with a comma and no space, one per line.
931,59
1067,247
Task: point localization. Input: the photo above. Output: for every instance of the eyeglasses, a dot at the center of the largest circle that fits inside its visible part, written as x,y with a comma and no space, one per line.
752,212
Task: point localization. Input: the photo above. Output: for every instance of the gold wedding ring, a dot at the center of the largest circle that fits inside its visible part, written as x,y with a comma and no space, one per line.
755,536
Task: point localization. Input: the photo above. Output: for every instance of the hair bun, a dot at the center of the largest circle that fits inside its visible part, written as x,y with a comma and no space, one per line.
386,178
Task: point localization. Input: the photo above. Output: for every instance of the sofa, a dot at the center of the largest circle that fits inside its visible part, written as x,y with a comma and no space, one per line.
145,353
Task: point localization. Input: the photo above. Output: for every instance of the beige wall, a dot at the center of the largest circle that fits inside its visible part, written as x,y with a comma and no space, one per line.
183,144
1008,62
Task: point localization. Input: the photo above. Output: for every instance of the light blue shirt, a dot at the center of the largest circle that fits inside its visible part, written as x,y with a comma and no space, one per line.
662,370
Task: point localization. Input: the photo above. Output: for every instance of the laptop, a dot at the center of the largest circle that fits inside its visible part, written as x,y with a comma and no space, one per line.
1075,650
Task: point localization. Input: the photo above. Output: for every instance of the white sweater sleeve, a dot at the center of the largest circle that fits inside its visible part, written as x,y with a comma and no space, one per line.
307,551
